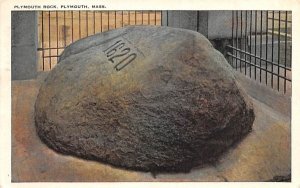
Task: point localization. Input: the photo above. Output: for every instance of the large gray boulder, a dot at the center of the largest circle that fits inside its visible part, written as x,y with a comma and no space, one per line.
145,97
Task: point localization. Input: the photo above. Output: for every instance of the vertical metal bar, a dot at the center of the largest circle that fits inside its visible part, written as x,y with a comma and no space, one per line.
237,39
250,66
122,18
115,19
260,45
291,53
272,57
267,43
155,17
241,55
43,55
285,49
167,18
161,13
142,17
94,21
79,25
72,26
65,36
198,18
49,39
278,68
134,17
128,17
148,17
108,19
56,16
86,22
101,21
255,44
232,17
246,50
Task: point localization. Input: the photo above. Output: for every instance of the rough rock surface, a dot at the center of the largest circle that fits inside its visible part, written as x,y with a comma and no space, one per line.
145,98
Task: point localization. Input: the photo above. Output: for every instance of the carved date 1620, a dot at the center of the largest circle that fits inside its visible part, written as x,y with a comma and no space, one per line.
119,54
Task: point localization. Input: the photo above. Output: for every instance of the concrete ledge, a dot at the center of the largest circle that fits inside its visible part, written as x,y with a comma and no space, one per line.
277,101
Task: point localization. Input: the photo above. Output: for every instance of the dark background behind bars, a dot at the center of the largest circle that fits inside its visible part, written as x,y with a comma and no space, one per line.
260,45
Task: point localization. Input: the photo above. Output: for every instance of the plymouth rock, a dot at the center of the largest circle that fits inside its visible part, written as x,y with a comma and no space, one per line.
147,98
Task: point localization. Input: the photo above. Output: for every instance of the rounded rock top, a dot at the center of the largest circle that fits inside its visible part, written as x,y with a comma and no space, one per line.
147,98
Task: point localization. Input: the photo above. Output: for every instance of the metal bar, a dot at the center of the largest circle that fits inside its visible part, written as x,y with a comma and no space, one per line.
278,51
198,18
167,18
267,42
56,16
142,17
52,56
236,34
260,44
94,21
49,17
41,49
258,66
161,17
79,25
108,19
65,35
241,37
154,17
87,22
72,26
282,34
290,22
129,18
122,18
115,19
232,17
148,17
285,48
272,57
43,40
246,41
101,21
255,36
267,61
291,55
250,41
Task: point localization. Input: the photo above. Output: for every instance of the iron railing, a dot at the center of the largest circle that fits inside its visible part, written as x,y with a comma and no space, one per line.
261,40
57,29
261,46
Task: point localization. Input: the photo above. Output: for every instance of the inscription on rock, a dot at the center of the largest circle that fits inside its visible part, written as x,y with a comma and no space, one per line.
120,54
